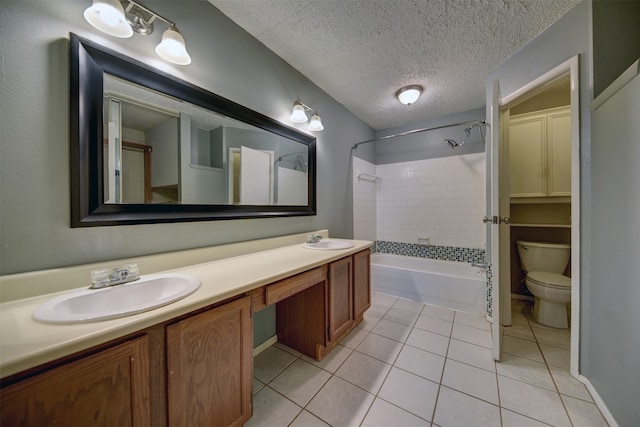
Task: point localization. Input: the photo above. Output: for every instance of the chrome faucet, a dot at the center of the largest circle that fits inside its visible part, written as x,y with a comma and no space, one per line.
482,265
314,238
103,277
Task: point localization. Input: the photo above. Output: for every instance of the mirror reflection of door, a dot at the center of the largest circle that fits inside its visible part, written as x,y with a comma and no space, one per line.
133,131
136,173
251,176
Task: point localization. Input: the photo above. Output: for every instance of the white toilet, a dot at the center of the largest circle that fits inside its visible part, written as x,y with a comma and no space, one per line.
544,264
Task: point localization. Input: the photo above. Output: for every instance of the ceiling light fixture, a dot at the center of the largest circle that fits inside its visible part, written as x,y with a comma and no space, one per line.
299,115
111,18
409,94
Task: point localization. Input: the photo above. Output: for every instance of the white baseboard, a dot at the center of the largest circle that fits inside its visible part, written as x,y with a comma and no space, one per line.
598,401
265,345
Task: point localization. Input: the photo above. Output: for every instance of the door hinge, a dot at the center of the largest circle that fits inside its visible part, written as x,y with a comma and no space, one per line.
496,220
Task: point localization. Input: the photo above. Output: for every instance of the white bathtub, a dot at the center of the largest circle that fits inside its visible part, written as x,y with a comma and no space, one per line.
455,285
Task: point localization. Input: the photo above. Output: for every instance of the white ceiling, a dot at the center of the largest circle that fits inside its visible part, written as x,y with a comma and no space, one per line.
362,51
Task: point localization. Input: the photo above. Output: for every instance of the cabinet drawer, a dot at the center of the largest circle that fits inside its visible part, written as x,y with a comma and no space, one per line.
285,288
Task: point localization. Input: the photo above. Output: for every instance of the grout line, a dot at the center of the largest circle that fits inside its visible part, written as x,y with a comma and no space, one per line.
495,367
392,366
544,358
444,366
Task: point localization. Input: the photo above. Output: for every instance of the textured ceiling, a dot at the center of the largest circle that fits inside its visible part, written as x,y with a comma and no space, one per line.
362,51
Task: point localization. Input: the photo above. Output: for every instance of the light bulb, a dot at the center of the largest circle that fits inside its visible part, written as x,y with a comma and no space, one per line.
108,17
298,115
172,47
315,124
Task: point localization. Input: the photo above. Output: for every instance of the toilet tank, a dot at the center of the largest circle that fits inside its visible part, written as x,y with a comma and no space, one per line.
542,256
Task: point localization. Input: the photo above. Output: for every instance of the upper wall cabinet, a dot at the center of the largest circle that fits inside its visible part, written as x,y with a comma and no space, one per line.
147,147
540,154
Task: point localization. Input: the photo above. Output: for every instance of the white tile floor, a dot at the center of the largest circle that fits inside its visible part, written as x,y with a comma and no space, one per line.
409,364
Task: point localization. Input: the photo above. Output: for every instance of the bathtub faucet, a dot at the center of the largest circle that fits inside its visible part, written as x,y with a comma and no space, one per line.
314,238
481,265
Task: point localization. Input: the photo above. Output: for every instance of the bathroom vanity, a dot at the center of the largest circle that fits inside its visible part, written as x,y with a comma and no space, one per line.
189,363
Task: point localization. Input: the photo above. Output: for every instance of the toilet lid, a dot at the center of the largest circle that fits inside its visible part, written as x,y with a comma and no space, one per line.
549,279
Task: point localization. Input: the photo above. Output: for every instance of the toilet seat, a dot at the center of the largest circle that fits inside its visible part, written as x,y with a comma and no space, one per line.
552,280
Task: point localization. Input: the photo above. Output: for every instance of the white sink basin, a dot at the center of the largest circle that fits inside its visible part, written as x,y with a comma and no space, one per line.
89,305
329,245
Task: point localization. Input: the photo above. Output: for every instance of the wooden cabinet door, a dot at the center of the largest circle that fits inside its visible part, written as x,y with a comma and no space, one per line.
210,362
361,283
340,298
110,388
559,148
527,157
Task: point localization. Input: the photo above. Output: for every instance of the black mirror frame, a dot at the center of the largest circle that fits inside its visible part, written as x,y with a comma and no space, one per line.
88,63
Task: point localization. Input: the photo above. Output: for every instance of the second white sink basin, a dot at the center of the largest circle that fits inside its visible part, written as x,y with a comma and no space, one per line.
89,305
329,245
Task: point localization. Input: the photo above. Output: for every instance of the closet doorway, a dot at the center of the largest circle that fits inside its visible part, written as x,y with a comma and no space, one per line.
544,209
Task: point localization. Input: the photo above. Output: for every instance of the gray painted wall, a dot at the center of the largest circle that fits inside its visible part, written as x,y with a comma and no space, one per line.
613,310
616,40
430,144
34,162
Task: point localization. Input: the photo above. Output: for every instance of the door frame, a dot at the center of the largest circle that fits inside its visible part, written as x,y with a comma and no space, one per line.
570,66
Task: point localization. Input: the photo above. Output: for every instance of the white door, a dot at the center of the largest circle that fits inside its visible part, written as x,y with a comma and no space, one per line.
492,150
255,177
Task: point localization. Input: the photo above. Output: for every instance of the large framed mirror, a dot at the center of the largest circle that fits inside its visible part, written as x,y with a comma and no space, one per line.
147,147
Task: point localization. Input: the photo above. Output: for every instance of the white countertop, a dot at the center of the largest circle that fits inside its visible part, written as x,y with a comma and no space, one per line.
26,343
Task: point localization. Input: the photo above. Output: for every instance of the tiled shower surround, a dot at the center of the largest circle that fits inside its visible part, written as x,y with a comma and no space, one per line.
437,203
425,208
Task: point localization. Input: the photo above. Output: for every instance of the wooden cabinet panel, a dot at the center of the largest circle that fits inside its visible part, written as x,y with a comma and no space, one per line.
361,283
300,321
559,146
527,158
210,362
110,388
340,298
292,285
540,154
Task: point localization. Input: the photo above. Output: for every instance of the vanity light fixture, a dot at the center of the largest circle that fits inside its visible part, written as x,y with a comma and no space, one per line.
110,17
409,94
299,115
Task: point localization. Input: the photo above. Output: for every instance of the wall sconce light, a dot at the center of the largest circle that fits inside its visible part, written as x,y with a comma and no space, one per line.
110,17
409,94
299,115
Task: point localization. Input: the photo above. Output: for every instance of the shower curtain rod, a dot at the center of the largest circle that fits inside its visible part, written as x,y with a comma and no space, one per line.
409,132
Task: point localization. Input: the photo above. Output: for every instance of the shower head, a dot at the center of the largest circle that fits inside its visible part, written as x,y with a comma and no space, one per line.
453,144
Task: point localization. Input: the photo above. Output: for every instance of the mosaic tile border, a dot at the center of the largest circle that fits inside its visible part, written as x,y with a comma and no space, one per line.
489,291
446,253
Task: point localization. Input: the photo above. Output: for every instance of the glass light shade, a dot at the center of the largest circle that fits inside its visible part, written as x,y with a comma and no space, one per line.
298,115
315,124
172,47
108,17
409,94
